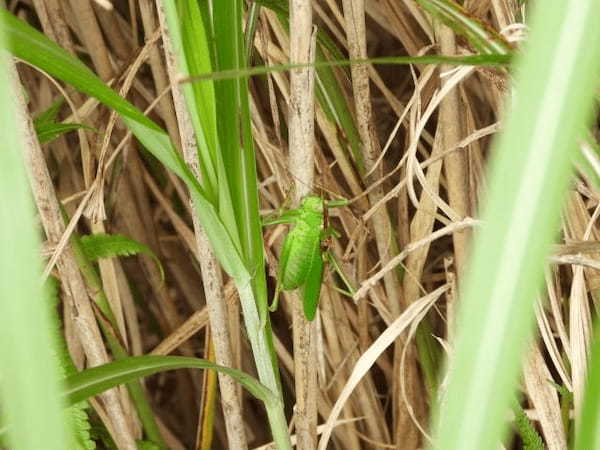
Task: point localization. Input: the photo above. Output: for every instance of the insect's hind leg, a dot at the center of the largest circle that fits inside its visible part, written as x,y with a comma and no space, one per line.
330,231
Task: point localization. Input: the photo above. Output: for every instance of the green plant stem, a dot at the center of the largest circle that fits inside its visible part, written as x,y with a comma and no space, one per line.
236,187
262,346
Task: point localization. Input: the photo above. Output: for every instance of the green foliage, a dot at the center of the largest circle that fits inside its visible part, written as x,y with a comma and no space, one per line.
50,114
46,127
588,436
147,445
233,192
529,435
530,172
199,60
100,434
75,415
480,35
47,132
35,48
90,382
101,245
29,387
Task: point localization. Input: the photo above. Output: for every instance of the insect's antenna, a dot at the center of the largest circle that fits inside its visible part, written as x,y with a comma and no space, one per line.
320,186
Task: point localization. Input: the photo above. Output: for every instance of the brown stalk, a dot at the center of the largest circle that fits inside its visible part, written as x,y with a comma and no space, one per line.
301,166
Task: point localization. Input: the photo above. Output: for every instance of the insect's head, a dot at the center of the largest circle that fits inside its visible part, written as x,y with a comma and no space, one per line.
313,203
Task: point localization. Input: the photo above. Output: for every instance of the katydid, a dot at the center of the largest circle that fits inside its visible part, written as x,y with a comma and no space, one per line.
301,260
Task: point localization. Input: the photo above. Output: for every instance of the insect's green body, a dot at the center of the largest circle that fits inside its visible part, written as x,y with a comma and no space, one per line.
302,246
301,261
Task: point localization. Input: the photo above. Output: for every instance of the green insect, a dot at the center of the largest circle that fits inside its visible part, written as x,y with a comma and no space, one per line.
301,260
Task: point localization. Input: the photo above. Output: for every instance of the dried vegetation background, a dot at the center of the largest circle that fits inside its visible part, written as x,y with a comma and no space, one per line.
426,132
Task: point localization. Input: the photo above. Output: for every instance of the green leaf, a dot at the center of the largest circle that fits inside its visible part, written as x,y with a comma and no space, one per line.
480,35
488,60
588,434
29,387
76,415
236,188
48,131
530,172
50,114
90,382
46,127
194,41
101,245
147,445
529,435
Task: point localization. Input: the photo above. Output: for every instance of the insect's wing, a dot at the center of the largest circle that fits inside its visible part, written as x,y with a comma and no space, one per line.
312,287
284,257
283,260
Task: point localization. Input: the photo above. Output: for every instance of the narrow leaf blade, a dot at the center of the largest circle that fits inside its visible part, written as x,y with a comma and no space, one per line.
530,172
93,381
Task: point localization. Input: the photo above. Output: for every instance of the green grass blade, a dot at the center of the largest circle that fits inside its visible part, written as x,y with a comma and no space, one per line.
47,132
28,370
98,379
200,99
480,35
194,49
237,149
101,245
50,114
238,155
334,105
237,189
76,415
588,435
530,172
491,60
35,48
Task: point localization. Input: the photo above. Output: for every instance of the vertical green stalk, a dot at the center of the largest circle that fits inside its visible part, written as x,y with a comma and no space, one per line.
556,78
237,148
588,435
215,38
